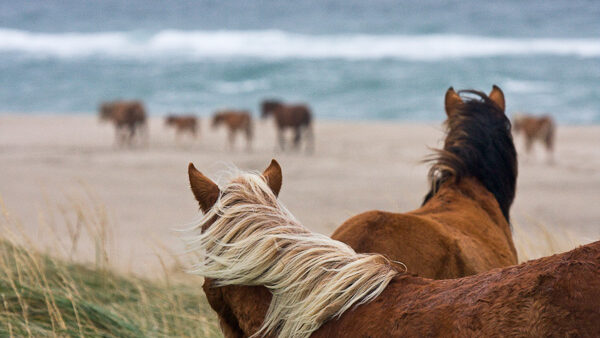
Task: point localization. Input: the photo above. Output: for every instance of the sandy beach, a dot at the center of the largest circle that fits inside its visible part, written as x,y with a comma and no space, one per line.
357,166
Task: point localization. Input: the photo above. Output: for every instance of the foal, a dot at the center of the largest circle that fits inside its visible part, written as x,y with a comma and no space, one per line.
183,124
128,117
297,117
463,226
267,275
236,121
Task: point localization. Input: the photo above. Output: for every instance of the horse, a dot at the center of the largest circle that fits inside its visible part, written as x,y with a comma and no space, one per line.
265,274
236,121
183,124
536,128
462,227
297,117
128,118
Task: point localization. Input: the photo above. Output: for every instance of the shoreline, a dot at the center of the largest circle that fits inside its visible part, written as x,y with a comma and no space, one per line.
256,117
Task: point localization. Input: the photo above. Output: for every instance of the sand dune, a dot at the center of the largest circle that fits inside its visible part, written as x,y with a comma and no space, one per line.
357,166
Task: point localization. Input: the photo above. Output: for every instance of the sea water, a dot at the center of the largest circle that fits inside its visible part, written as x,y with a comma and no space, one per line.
348,59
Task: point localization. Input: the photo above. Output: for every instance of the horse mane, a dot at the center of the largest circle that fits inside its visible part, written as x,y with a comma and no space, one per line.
478,144
252,239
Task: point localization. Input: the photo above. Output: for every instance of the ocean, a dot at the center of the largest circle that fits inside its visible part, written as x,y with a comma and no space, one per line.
348,59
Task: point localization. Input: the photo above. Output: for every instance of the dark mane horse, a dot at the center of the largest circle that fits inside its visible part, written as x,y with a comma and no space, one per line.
478,144
296,117
463,227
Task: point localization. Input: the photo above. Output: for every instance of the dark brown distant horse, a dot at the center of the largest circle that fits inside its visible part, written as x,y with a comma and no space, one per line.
183,124
236,121
296,117
536,128
463,226
266,275
129,118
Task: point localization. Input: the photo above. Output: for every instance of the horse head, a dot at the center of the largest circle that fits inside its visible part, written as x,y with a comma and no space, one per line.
478,144
105,111
207,192
268,106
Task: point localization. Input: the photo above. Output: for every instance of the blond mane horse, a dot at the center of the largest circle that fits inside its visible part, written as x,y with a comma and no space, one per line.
267,275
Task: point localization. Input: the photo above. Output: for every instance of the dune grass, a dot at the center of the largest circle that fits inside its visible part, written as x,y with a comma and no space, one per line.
42,295
49,292
534,239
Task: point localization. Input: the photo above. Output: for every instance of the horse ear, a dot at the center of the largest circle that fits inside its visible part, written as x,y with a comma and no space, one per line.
273,177
452,102
205,190
497,96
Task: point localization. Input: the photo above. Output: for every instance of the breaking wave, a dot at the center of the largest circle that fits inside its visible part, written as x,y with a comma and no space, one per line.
274,44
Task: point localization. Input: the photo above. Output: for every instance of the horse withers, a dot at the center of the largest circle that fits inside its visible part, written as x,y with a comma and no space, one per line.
267,275
129,119
463,226
296,117
236,121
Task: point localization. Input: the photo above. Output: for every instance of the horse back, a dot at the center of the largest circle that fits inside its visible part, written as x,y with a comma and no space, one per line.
554,296
128,113
458,232
424,246
293,116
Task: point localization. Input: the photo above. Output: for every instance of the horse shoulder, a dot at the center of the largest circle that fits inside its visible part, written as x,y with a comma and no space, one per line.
420,243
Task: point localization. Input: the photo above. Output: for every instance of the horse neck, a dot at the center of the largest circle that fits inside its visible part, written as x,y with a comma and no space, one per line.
241,309
466,196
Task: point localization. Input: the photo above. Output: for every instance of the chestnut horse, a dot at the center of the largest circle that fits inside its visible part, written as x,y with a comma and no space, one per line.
128,117
236,121
183,124
463,226
536,128
267,275
297,117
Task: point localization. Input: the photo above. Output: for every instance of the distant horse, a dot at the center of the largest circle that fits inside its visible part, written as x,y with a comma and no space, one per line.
267,275
536,128
183,124
236,121
463,226
297,117
129,118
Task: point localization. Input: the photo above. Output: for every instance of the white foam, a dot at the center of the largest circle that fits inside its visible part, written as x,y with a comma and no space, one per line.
273,44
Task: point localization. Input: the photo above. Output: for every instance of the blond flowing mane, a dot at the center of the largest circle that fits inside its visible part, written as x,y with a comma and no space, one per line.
254,240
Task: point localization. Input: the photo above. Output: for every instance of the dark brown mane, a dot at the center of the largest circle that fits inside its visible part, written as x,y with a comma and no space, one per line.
478,144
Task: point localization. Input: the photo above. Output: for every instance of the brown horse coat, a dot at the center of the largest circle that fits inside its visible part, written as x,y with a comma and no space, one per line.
535,128
237,121
462,228
551,296
183,124
125,115
297,117
554,296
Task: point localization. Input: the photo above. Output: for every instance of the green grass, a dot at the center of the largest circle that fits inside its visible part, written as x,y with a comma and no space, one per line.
44,295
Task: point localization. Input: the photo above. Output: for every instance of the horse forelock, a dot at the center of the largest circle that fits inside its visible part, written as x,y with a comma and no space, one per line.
253,240
478,144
